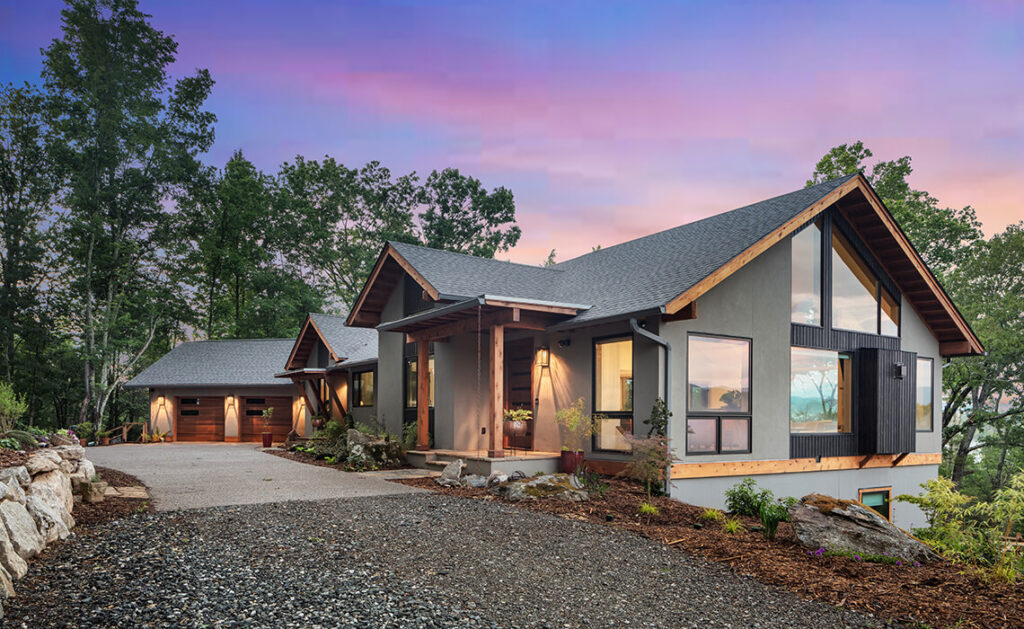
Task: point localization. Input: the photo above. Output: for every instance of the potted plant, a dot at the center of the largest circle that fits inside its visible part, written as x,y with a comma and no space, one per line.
515,420
268,436
318,422
574,426
103,437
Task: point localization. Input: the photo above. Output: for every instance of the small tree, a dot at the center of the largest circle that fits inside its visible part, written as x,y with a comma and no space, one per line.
12,407
649,462
574,425
268,413
658,421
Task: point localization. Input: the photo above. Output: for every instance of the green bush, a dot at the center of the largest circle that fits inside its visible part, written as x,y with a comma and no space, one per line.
733,526
330,441
410,433
9,443
746,498
12,407
85,430
771,514
712,515
26,439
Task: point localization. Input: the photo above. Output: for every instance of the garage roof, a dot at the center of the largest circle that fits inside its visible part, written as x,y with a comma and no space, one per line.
246,362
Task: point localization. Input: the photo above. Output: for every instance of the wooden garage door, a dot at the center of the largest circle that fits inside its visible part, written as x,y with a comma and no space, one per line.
200,419
252,417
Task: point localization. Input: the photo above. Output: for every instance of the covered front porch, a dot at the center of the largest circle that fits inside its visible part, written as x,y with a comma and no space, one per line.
495,355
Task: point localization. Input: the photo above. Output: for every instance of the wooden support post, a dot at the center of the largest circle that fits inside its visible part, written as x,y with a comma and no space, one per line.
423,395
497,410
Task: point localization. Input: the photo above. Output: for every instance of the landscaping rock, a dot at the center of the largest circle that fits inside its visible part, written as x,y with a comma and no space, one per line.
4,491
42,462
70,453
825,522
14,491
10,560
355,437
54,489
62,440
94,492
19,473
557,486
451,474
21,529
84,473
48,520
474,480
497,477
6,585
517,475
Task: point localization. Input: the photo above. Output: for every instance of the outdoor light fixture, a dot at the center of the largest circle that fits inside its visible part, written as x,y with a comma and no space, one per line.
543,356
564,343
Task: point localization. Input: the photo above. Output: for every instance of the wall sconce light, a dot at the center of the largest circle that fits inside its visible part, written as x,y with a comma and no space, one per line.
899,371
543,356
564,342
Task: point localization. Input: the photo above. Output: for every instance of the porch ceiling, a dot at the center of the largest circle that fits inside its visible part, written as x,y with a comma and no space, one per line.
480,313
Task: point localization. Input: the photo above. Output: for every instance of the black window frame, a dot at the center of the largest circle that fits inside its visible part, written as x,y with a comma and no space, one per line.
854,376
886,489
405,381
748,415
931,387
357,388
630,415
866,259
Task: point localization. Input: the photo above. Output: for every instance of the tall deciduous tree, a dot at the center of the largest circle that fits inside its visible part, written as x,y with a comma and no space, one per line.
26,192
125,136
460,215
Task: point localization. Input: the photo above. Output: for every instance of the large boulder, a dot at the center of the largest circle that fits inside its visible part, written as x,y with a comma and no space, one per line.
474,480
451,474
21,529
831,523
54,489
14,491
62,440
354,437
70,453
42,462
19,474
557,486
49,521
496,477
9,558
6,584
82,474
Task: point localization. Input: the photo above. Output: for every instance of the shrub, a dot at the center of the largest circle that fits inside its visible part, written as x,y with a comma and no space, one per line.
410,434
329,441
85,430
574,425
733,526
12,407
648,509
771,514
746,498
658,421
26,440
712,515
591,481
649,461
9,443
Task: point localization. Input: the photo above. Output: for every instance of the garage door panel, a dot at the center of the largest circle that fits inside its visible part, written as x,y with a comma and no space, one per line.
252,417
200,419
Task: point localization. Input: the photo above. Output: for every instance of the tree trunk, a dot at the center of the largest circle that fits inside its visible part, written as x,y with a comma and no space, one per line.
962,452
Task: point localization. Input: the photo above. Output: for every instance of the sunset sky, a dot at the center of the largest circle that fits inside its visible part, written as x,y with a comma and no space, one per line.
608,121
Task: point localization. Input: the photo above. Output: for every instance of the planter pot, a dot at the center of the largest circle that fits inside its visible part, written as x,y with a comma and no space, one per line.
268,439
570,461
104,441
83,442
318,424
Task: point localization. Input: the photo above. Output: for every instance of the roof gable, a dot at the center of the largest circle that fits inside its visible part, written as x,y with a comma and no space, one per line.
344,343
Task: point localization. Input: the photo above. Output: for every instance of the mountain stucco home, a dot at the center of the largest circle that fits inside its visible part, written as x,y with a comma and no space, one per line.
798,341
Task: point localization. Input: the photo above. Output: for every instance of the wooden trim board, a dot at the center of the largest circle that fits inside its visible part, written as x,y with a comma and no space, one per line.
787,466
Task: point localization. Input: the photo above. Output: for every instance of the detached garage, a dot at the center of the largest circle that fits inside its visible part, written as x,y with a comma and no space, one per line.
218,391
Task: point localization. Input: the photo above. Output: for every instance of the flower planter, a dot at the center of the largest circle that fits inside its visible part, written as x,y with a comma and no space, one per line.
570,461
268,439
83,442
104,441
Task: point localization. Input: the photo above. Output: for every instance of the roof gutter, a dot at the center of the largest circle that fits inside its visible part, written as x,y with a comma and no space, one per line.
668,387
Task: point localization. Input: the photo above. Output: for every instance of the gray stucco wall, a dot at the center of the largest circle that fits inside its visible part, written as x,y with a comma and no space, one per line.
390,346
710,492
916,337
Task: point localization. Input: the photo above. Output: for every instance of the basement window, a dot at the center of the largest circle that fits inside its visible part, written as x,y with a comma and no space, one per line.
877,499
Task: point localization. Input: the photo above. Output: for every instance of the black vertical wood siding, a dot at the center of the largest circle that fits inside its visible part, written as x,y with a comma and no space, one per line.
887,402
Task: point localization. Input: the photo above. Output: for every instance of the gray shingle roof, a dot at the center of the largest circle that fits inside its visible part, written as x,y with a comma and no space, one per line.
228,362
636,276
352,344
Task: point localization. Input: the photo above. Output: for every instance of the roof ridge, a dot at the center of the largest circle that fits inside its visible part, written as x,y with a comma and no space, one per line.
466,255
838,180
235,340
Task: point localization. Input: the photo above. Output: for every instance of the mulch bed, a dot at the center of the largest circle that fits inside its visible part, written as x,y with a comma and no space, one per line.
112,508
12,458
939,594
306,457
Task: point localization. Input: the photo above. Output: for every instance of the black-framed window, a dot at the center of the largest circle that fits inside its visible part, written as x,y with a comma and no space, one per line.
718,415
925,395
412,383
806,270
859,301
363,385
613,393
878,500
820,391
188,401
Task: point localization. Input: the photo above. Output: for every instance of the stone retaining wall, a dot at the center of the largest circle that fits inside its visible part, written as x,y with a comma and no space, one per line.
36,501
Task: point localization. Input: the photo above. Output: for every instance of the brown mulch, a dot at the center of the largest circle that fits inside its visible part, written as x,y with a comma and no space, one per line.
112,508
12,458
306,457
939,594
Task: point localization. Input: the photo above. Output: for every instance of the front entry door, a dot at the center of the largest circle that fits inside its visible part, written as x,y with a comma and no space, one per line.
519,391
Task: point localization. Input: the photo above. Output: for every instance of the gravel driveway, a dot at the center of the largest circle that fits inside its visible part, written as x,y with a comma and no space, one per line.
420,560
196,475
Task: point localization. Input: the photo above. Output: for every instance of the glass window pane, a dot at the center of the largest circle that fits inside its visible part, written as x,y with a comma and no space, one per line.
613,376
890,314
701,435
719,374
924,394
806,271
854,290
412,384
821,391
611,433
878,501
363,389
735,435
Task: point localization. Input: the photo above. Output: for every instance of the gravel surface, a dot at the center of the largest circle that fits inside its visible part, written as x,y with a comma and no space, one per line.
421,560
